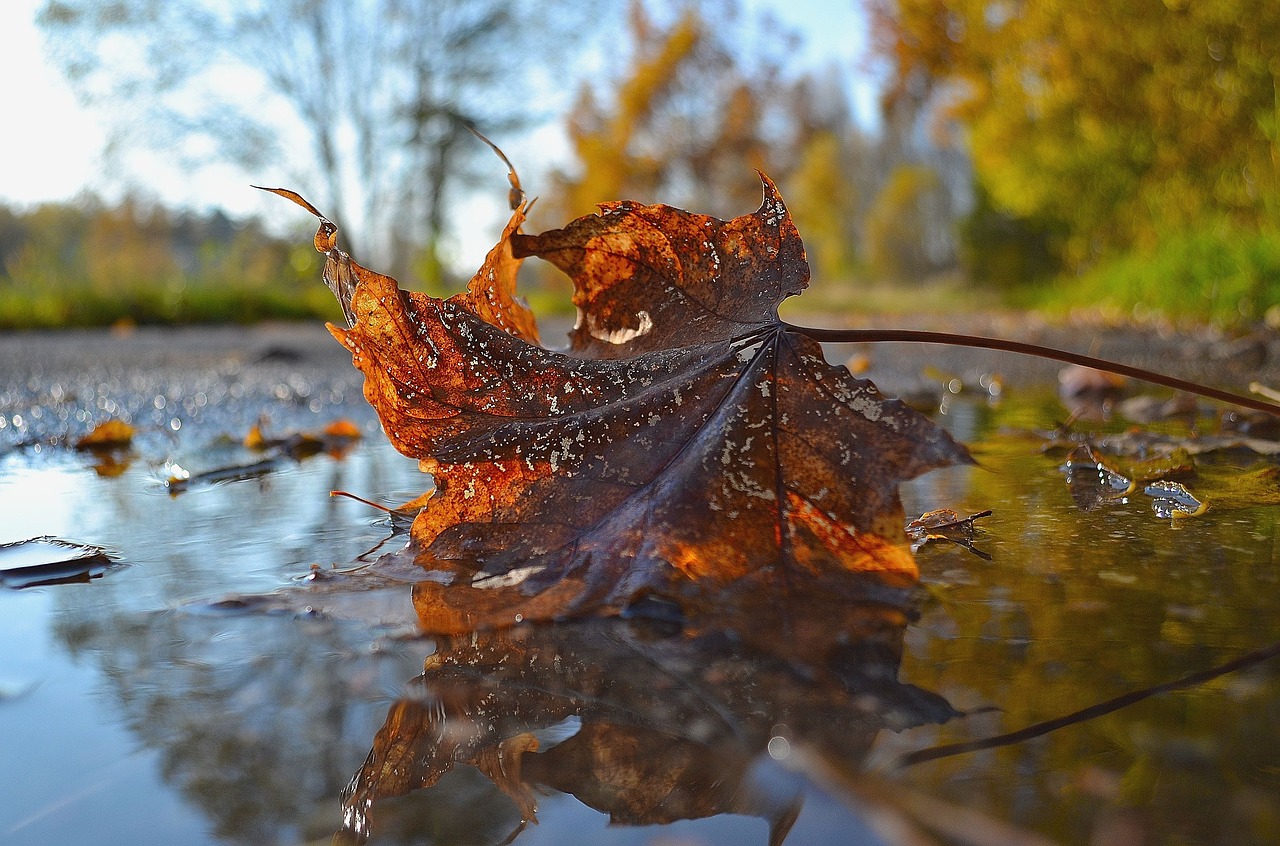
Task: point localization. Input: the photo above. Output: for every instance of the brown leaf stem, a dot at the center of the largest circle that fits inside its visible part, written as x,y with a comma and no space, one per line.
861,336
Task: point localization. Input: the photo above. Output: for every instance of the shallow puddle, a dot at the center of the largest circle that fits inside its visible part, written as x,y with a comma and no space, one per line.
227,681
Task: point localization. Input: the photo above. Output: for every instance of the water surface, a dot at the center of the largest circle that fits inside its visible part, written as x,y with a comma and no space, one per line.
211,688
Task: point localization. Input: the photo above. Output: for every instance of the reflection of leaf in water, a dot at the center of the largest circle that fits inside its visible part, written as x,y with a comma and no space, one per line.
662,724
1091,481
110,464
688,442
1173,500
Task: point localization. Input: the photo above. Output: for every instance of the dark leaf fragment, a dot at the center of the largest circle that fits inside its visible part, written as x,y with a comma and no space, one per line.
945,524
50,561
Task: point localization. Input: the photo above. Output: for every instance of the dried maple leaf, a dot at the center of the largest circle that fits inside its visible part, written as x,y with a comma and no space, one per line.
688,444
945,524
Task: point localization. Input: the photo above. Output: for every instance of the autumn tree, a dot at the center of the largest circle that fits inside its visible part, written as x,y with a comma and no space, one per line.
702,100
829,172
382,91
685,120
1116,121
895,234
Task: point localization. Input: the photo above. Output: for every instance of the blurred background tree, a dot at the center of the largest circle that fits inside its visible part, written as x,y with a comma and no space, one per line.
679,101
382,92
90,263
1097,129
1045,153
701,100
681,117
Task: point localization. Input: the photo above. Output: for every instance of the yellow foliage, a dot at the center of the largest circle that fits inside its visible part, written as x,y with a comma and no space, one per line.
684,122
895,224
824,204
1120,119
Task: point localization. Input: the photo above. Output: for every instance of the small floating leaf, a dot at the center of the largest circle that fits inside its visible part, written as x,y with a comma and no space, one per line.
343,428
255,439
109,434
50,561
1173,500
1095,480
178,483
334,439
944,524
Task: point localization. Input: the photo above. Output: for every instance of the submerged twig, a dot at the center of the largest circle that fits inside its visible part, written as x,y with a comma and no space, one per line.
362,500
947,750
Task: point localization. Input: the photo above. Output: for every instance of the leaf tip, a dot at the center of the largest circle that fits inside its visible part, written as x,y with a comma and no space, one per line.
773,210
327,233
516,195
771,192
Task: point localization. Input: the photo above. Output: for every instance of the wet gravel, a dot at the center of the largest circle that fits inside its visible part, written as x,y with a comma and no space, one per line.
171,381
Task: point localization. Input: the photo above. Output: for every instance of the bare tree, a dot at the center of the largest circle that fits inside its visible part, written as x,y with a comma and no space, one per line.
377,93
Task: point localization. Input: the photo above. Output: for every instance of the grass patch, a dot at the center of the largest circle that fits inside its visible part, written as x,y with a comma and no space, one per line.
941,294
1220,274
83,305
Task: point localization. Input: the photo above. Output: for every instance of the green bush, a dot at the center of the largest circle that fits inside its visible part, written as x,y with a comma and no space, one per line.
1000,250
81,305
1219,273
89,264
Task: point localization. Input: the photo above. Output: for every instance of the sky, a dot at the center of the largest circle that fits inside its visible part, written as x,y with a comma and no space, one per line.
53,147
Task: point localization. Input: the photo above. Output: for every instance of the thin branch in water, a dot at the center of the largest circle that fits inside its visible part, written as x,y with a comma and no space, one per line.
933,753
858,336
363,500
